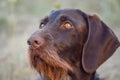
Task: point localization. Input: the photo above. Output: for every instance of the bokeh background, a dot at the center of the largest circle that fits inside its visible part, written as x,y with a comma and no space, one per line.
20,18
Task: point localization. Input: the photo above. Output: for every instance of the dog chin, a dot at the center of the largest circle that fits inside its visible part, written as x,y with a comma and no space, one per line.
48,56
47,62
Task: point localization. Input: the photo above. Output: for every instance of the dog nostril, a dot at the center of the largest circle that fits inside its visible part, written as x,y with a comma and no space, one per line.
36,42
28,42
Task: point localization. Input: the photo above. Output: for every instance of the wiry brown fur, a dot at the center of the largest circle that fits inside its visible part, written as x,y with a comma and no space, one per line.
50,67
74,52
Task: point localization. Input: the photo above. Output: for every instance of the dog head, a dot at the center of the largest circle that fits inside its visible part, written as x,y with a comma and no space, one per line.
68,40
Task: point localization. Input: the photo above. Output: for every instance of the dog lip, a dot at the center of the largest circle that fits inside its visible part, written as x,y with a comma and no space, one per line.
31,47
34,47
37,57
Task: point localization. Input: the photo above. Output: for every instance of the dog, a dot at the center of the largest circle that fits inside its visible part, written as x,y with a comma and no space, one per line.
71,45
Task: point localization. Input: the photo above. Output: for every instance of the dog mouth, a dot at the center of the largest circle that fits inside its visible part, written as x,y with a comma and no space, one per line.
37,57
48,56
37,60
47,62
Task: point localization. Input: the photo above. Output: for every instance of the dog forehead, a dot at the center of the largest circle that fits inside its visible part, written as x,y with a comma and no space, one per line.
64,12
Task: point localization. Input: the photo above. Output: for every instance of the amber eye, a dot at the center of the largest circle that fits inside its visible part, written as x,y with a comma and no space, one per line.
66,25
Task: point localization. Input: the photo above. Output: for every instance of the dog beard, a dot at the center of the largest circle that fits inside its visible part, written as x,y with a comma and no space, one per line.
48,63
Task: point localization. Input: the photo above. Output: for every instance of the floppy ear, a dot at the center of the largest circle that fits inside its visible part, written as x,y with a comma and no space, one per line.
101,43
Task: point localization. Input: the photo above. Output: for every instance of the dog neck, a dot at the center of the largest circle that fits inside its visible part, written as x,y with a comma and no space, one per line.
79,74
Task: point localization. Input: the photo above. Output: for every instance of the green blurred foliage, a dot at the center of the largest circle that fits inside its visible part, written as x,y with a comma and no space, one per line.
17,21
107,9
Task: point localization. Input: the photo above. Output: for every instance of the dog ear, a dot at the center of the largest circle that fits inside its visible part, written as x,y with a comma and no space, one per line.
101,43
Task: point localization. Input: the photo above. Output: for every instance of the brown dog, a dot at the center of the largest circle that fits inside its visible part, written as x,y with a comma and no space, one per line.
71,45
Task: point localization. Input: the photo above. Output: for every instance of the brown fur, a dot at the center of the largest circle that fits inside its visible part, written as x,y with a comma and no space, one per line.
49,66
74,53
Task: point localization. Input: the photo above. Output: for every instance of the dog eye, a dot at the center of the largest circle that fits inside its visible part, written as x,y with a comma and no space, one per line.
66,25
41,25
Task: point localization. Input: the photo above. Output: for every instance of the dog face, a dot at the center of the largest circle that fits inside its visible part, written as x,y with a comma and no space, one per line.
68,39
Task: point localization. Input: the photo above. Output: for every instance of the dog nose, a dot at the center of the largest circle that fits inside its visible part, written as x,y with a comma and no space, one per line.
35,41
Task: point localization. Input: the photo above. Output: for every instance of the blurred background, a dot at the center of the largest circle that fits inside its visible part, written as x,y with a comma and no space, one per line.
20,18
